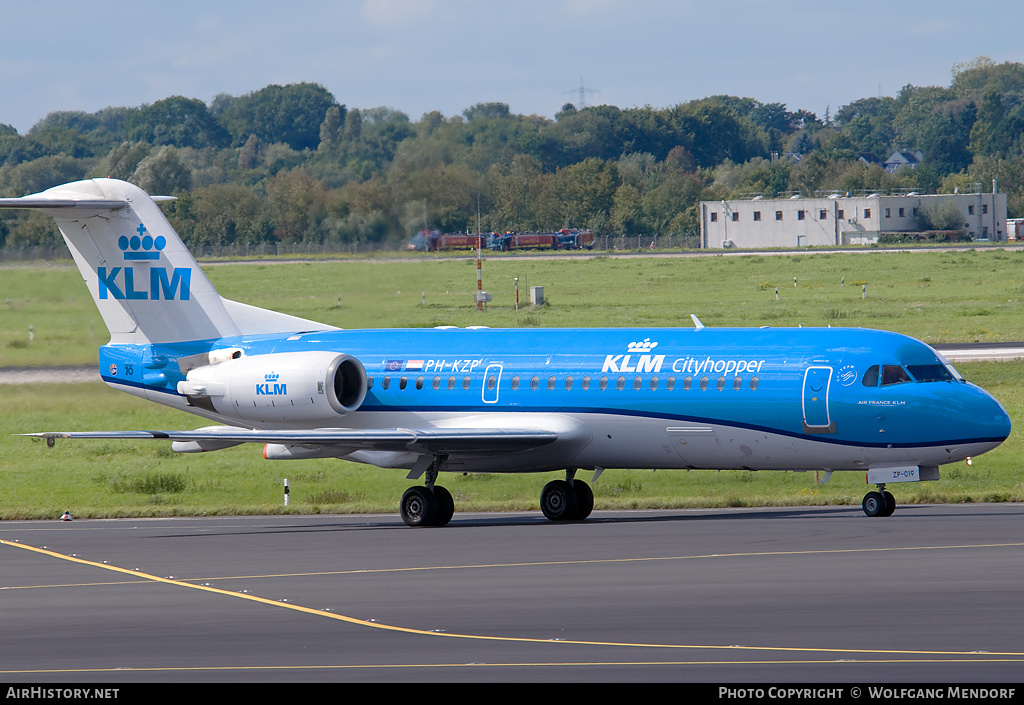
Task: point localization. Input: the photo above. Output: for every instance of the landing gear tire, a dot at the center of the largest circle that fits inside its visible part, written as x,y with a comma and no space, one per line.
584,499
445,506
875,505
890,504
558,501
419,507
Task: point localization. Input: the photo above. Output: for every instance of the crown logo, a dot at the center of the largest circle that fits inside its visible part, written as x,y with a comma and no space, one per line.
643,346
142,246
271,377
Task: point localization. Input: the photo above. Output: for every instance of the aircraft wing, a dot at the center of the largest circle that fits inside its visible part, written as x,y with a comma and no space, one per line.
432,441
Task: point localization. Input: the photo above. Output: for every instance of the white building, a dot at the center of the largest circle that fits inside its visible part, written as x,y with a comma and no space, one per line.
839,220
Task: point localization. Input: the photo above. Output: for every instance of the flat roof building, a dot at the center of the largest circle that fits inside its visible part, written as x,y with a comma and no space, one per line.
841,220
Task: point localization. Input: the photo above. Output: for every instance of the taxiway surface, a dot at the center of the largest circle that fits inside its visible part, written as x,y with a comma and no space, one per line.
931,594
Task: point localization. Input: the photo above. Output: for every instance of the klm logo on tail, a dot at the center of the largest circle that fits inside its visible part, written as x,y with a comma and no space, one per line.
120,282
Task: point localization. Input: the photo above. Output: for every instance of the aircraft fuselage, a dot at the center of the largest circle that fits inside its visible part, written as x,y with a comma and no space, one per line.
756,399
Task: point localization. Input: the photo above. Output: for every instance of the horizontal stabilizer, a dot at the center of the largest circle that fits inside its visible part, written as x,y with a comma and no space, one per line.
37,202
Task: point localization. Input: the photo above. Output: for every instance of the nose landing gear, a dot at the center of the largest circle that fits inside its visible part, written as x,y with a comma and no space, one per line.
879,504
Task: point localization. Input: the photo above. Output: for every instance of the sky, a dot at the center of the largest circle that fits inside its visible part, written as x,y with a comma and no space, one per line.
419,56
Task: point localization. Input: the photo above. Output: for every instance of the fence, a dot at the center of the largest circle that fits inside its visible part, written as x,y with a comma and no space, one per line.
310,249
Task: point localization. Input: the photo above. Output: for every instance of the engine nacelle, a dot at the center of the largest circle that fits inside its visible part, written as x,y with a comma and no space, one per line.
316,386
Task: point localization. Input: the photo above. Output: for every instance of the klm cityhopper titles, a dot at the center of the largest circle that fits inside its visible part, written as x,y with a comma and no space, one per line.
488,400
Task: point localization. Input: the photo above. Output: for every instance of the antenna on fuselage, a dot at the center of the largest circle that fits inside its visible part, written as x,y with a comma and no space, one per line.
696,322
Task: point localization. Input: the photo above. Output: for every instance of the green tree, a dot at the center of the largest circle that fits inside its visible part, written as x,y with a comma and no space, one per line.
124,159
941,215
330,128
513,190
223,214
176,121
627,211
163,173
712,133
664,204
582,195
43,173
997,130
295,203
290,114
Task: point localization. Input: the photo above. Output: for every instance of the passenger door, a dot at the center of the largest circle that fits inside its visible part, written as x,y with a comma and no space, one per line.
817,380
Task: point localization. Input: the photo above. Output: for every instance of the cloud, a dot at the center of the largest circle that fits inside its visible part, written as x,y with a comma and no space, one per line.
939,25
396,13
588,7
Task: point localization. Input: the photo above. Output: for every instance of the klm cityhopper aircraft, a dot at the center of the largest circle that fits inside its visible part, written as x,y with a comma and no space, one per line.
482,400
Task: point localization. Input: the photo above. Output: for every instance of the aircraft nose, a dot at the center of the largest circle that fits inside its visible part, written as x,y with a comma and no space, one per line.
990,416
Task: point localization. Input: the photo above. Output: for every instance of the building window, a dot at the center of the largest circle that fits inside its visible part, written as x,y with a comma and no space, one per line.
886,212
778,215
901,212
757,215
915,212
735,217
867,212
714,217
984,208
800,215
970,210
822,214
840,214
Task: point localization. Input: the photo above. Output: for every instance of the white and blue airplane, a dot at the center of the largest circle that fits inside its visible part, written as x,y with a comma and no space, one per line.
496,401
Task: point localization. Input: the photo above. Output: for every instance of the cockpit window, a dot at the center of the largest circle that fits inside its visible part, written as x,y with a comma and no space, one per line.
870,378
930,373
894,374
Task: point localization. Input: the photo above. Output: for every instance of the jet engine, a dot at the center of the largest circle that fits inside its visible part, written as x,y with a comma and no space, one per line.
308,387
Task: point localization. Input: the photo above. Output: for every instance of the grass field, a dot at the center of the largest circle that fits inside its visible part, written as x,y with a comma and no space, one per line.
939,297
962,296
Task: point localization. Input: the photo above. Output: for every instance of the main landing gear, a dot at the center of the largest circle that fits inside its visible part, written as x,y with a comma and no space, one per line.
427,506
432,505
879,504
567,500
